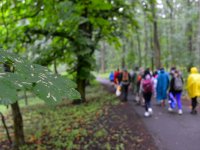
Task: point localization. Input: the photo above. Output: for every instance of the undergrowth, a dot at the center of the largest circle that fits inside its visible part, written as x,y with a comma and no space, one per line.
61,127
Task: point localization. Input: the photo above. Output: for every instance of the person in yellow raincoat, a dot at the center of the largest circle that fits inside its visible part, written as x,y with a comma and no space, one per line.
193,87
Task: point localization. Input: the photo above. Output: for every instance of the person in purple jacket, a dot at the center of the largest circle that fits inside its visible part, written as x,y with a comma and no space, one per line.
175,91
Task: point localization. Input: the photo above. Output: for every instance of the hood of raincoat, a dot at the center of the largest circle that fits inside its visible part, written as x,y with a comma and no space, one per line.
162,70
193,70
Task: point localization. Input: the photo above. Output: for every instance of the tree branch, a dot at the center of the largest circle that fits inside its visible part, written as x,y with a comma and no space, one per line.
6,128
169,5
55,33
30,15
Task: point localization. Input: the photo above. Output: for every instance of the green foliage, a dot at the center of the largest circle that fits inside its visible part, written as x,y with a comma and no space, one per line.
50,32
66,126
100,133
31,101
30,27
178,33
27,76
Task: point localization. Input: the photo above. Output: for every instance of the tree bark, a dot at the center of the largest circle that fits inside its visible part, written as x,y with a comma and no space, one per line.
82,63
18,125
17,117
189,32
198,36
80,80
6,128
123,55
55,67
170,5
132,47
152,49
146,39
25,98
81,88
139,49
103,63
155,38
168,50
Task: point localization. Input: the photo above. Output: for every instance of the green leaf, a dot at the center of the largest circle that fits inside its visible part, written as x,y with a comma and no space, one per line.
8,92
38,79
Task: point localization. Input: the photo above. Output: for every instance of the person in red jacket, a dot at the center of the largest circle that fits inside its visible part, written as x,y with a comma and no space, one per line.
116,74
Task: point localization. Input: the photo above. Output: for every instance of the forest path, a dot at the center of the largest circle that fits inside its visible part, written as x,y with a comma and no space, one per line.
169,130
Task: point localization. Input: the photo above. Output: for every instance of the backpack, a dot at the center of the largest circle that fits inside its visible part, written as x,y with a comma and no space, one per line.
147,86
139,78
125,76
178,84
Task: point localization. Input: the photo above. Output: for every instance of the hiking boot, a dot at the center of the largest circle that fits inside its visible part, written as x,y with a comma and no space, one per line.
170,109
163,103
180,112
146,114
150,111
193,112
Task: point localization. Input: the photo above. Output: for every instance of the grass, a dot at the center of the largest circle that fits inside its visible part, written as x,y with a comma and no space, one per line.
31,101
66,125
103,75
3,109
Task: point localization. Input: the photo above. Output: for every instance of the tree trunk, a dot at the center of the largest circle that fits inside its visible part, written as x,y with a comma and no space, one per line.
139,49
80,79
55,67
123,55
155,38
171,37
103,63
17,118
170,5
152,49
189,32
146,39
6,128
18,125
168,50
198,36
25,98
132,47
83,65
81,84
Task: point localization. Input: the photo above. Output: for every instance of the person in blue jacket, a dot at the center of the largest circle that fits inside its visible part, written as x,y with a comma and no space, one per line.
111,77
162,86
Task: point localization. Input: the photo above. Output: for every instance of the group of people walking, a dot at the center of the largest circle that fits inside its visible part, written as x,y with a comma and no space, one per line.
159,84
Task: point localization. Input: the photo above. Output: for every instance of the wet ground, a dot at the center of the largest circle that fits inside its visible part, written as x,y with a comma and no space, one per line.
169,130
